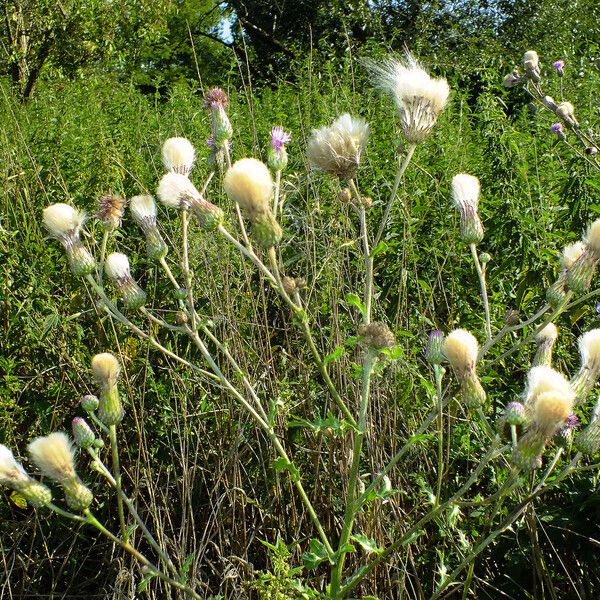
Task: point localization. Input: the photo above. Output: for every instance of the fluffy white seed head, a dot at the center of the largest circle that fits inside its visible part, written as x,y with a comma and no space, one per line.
62,220
571,253
249,183
53,456
143,209
11,471
117,266
461,348
337,149
531,60
589,349
106,369
544,379
419,97
547,335
551,411
178,155
175,189
592,237
465,190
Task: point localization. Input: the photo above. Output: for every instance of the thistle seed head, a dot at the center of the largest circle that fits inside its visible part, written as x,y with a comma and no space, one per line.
178,155
53,456
249,183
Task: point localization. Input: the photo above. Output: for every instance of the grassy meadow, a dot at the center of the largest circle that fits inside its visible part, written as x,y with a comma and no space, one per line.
197,466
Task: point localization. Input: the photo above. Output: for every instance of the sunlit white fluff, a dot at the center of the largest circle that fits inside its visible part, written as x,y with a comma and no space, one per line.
249,183
461,349
571,253
465,190
175,189
589,349
106,368
337,149
544,379
143,209
592,237
62,220
117,266
11,471
419,97
547,334
53,456
178,155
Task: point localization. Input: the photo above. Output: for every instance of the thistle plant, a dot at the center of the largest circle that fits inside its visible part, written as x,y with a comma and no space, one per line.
339,557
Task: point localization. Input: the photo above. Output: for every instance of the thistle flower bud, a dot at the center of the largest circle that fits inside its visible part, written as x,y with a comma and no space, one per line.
588,441
515,414
110,210
566,111
376,336
117,269
63,223
589,370
419,98
528,453
345,195
143,211
106,369
531,65
216,101
14,476
465,194
178,155
266,230
177,191
82,434
545,340
277,158
89,403
512,79
434,351
337,149
461,349
558,66
53,456
549,102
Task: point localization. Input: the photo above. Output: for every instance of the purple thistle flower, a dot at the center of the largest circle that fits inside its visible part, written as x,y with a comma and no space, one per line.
210,142
215,99
559,65
556,128
572,421
598,308
279,138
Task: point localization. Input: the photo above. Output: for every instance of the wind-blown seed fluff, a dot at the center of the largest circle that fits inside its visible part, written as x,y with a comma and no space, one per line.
175,189
571,253
592,237
465,190
178,155
117,266
551,411
53,456
419,97
337,149
461,349
11,471
106,368
249,183
544,379
531,60
62,220
589,349
143,209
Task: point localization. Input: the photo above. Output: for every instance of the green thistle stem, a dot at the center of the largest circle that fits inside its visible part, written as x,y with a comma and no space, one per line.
484,295
438,373
112,435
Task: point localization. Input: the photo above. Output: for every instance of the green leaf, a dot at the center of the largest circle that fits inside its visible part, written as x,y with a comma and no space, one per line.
337,353
317,554
411,538
185,568
379,249
283,464
367,544
143,584
354,300
18,499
